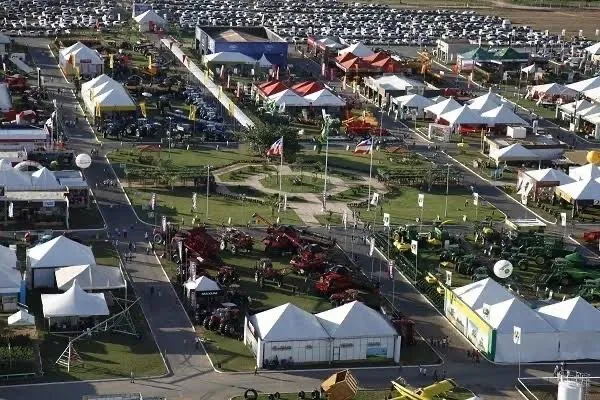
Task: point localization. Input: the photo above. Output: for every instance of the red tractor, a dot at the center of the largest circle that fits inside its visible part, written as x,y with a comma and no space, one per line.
197,241
264,271
310,258
225,320
234,240
340,278
591,236
372,300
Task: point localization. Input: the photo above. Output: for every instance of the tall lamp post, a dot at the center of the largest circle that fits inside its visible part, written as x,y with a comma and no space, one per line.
447,186
328,121
208,167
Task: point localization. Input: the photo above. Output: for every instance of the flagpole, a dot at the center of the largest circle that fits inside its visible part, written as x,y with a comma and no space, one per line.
325,183
280,174
370,175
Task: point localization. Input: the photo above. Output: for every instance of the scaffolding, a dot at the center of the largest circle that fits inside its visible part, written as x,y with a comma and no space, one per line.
121,322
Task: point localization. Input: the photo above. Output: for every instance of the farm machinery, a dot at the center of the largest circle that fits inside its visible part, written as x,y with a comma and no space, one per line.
235,240
362,127
198,242
225,320
340,278
590,289
226,275
264,271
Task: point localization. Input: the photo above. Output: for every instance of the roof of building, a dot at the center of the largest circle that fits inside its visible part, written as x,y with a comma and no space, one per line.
241,34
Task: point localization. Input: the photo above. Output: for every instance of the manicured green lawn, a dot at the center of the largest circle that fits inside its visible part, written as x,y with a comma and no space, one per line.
343,159
104,252
176,204
85,218
296,183
226,353
243,173
403,207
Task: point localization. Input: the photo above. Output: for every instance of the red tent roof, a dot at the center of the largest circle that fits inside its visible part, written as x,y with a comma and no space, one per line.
267,83
300,84
376,57
345,57
273,88
309,88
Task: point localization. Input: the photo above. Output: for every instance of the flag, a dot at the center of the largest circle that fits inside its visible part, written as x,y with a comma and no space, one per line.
421,200
391,269
345,219
180,249
386,219
149,62
563,219
153,201
371,246
364,147
276,148
11,209
194,201
111,61
284,202
375,199
414,247
143,109
475,199
164,223
192,113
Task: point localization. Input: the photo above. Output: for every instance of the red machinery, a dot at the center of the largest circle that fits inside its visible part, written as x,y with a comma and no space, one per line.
16,82
235,240
591,236
198,243
227,275
340,278
264,271
360,127
226,320
310,258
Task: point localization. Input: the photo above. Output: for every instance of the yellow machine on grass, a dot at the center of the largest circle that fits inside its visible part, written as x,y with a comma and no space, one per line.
427,393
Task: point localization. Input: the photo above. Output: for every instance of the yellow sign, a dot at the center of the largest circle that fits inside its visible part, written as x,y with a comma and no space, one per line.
143,109
111,61
192,114
472,325
231,108
98,112
150,62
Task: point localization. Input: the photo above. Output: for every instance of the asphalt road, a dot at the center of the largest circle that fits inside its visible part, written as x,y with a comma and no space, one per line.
191,377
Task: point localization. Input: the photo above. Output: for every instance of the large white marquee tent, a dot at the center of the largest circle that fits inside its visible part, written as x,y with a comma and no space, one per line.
88,61
75,302
103,94
514,152
358,49
578,323
585,172
485,102
350,332
585,191
58,252
89,277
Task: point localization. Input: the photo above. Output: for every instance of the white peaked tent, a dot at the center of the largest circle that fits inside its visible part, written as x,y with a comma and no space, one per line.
21,318
89,277
104,94
552,89
549,175
10,280
358,49
485,102
587,190
287,331
578,326
324,98
413,101
442,107
438,99
575,107
590,111
370,333
514,152
43,178
264,63
227,57
486,291
593,49
539,341
8,257
462,116
58,252
202,284
289,98
586,84
593,94
75,302
528,69
89,61
502,115
149,18
585,172
11,179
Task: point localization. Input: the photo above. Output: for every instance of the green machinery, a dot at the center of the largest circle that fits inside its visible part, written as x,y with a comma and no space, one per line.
564,271
590,289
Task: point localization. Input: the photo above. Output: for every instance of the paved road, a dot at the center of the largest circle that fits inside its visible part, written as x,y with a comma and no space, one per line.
191,375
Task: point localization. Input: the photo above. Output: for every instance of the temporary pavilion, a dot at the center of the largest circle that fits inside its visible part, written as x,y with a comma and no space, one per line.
462,116
228,58
90,277
413,101
289,98
10,279
442,107
585,192
578,326
324,98
485,102
73,303
502,115
585,172
103,95
150,21
61,251
536,180
514,152
79,59
358,49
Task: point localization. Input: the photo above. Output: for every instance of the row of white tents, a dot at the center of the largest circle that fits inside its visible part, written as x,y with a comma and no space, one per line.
582,184
568,330
232,57
349,332
489,109
589,88
321,98
103,94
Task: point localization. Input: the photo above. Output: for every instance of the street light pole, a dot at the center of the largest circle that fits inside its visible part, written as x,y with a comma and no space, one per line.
207,189
447,184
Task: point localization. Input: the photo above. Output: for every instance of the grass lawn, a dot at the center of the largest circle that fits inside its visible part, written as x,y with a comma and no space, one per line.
104,252
243,173
343,159
403,207
295,183
226,353
183,158
176,205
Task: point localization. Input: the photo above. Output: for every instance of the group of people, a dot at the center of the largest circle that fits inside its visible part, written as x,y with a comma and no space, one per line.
474,355
439,342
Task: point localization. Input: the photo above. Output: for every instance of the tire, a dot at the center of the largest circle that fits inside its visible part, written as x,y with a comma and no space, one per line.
222,245
176,259
301,395
233,249
315,395
223,328
277,395
270,397
250,394
279,282
157,238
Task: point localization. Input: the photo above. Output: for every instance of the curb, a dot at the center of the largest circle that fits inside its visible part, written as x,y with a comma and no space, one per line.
505,194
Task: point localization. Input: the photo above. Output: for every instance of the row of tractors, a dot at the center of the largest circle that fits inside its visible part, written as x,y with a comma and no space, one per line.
310,254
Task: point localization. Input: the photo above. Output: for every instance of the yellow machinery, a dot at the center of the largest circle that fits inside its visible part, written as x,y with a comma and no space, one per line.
340,386
424,58
426,393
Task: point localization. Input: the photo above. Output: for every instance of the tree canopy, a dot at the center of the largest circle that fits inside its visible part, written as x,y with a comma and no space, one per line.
261,137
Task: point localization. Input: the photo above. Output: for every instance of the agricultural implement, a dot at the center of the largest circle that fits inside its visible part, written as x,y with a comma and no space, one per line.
590,289
227,275
225,320
234,240
198,242
340,278
264,272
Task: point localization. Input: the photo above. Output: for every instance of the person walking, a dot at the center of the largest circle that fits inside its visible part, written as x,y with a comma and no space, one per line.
132,380
255,370
197,342
124,233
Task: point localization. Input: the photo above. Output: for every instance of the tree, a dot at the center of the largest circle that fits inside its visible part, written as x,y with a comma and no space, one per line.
261,137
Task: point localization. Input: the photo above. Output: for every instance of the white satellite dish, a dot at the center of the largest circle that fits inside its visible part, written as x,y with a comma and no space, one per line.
503,269
83,161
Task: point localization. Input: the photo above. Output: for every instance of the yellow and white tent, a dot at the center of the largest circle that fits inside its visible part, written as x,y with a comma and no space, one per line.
78,56
103,94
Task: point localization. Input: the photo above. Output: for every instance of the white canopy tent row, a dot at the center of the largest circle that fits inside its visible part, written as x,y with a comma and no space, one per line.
227,57
514,152
585,172
75,302
540,179
502,115
103,94
586,84
486,102
289,98
90,277
548,91
58,252
350,332
585,191
324,98
442,107
574,108
413,101
358,49
486,313
463,116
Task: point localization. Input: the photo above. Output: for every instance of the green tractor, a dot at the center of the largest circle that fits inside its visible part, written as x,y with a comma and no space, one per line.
404,235
590,290
564,271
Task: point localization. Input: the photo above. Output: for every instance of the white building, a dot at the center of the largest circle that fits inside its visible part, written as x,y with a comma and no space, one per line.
80,59
150,21
10,279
